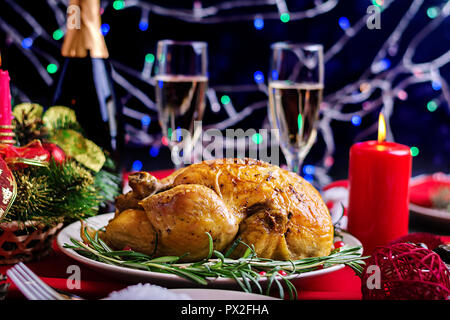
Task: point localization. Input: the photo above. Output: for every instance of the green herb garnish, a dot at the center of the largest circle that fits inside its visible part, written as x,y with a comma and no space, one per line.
246,271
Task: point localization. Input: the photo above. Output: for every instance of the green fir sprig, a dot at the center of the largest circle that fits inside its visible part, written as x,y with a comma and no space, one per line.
107,182
54,192
247,271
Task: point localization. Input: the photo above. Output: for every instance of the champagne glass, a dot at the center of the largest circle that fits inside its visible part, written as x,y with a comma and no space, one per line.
295,94
181,84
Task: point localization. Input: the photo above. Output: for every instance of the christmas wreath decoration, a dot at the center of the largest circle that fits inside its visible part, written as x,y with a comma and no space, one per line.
53,174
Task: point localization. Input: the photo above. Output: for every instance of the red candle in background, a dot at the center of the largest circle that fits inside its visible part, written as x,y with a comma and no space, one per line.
379,174
6,135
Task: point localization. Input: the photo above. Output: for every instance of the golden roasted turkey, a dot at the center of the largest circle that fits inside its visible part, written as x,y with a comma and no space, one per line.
276,211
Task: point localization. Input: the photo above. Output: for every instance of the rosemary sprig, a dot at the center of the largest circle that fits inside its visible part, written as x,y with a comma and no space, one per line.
247,271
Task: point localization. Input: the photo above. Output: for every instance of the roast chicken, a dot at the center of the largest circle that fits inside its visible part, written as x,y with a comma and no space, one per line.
277,212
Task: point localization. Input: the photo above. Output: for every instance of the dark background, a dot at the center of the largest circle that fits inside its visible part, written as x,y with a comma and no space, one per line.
237,49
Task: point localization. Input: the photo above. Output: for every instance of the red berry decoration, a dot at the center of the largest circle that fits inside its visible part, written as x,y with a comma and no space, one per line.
262,273
282,272
127,248
339,244
406,272
330,205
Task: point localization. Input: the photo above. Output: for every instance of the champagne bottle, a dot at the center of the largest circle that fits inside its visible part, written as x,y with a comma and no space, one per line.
85,83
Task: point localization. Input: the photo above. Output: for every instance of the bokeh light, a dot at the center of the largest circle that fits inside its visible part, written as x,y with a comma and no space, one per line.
150,58
118,4
309,169
58,34
432,106
52,68
258,23
378,3
259,77
146,120
344,23
436,85
274,75
143,25
329,161
27,43
356,120
285,17
105,29
432,12
225,99
385,64
402,95
137,165
154,151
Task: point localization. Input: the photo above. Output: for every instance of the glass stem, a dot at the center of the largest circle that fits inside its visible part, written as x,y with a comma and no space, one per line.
177,166
295,162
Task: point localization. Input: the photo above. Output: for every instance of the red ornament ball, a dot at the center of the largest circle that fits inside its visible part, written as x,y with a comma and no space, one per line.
56,152
405,271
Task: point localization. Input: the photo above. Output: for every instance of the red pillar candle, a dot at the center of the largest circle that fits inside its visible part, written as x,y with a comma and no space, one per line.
379,176
5,108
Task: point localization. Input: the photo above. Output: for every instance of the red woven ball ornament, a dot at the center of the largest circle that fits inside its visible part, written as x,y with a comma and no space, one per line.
407,272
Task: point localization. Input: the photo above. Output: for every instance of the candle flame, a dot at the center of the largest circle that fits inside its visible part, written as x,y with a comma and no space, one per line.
381,128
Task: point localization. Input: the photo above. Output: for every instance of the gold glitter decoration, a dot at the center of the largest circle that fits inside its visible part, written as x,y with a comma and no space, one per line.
81,149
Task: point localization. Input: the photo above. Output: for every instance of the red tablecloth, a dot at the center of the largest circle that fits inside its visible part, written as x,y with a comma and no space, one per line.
339,285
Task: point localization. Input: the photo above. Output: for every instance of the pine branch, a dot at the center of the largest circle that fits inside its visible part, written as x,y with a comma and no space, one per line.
107,185
33,195
56,191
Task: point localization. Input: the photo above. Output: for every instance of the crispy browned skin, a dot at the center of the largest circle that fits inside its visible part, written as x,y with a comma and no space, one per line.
131,228
183,215
277,211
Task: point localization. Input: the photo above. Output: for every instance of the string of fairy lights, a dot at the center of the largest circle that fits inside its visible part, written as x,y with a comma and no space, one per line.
391,80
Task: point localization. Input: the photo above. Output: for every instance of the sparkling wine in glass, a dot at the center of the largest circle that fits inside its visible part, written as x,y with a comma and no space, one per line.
295,94
181,84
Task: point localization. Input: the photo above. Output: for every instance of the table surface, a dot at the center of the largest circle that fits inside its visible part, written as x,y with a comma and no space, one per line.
339,285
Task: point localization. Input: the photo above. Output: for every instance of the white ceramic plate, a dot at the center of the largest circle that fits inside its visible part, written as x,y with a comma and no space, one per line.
442,217
216,294
435,215
162,279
